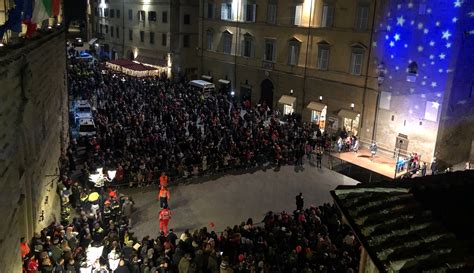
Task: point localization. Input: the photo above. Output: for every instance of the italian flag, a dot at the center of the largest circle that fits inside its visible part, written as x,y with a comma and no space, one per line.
44,9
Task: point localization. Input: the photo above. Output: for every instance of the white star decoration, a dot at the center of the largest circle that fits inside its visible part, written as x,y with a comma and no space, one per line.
396,37
410,5
438,23
425,31
434,104
458,3
434,84
446,35
455,19
399,6
412,22
400,21
442,56
420,25
432,43
471,14
389,27
428,11
423,83
420,48
431,57
448,45
392,44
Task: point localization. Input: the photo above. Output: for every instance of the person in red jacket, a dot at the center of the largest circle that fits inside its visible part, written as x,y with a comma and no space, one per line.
24,248
164,197
165,216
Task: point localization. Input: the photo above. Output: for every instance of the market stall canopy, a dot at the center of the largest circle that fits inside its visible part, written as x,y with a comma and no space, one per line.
92,41
206,77
224,81
151,61
289,100
316,106
344,113
133,69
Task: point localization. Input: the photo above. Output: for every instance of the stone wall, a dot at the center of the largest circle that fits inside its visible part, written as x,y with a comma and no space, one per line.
34,122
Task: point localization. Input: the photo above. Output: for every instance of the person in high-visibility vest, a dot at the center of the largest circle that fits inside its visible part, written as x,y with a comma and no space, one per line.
163,180
164,197
164,217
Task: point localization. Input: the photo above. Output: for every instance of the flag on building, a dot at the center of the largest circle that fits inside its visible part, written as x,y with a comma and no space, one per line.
14,19
44,9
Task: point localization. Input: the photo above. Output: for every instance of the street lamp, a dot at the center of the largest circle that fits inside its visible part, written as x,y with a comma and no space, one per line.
291,91
320,98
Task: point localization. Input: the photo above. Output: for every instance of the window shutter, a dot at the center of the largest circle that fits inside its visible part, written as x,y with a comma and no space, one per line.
254,13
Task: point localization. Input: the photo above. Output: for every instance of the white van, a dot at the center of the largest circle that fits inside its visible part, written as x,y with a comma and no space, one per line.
86,127
207,88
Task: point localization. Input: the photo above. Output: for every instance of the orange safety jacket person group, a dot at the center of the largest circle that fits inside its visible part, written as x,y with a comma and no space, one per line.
164,197
163,180
165,216
164,193
24,249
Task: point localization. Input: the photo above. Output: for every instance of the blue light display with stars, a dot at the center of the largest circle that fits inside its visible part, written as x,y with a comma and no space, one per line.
422,32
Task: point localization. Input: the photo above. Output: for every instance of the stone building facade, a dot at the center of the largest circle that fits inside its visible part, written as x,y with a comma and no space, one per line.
425,104
161,33
311,57
34,123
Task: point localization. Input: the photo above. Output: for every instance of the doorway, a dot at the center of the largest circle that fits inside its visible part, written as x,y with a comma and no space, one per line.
267,93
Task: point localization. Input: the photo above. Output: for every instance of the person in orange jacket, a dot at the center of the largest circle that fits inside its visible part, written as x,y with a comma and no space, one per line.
24,248
165,216
164,197
163,180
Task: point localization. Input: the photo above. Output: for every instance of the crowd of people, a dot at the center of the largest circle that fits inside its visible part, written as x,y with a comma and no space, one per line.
149,125
99,239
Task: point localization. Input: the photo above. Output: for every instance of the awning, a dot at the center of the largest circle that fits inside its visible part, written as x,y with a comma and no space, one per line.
344,113
206,77
289,100
224,81
316,106
92,41
151,61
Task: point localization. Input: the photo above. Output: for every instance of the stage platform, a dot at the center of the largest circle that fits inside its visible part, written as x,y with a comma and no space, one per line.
382,164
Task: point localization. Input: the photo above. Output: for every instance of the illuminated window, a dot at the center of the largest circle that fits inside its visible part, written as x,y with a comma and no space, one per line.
141,15
249,11
227,42
431,111
186,41
323,56
164,17
210,9
272,12
362,17
152,37
210,39
327,16
357,57
164,39
248,45
142,36
294,51
152,16
270,50
295,15
226,11
288,109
